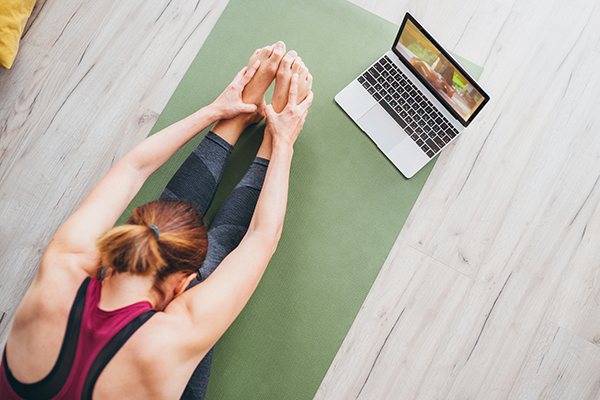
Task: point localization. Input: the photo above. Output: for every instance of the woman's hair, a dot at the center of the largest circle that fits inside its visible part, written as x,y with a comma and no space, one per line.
180,245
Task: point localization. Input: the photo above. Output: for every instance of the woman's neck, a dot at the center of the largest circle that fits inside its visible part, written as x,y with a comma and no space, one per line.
121,290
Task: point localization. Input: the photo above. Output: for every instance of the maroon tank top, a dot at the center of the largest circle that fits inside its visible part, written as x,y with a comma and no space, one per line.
92,338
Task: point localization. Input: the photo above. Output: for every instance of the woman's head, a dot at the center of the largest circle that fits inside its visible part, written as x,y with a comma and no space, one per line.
135,247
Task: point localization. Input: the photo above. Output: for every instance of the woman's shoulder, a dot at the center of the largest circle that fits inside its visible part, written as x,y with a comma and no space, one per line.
50,296
40,323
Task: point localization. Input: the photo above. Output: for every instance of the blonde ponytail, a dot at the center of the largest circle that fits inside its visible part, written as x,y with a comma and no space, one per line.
131,248
161,238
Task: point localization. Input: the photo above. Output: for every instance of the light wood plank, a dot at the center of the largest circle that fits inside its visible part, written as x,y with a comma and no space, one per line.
398,331
577,304
539,230
37,8
187,38
561,366
27,90
65,28
519,137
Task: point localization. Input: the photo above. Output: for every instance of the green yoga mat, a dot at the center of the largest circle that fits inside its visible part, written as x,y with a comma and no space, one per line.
347,202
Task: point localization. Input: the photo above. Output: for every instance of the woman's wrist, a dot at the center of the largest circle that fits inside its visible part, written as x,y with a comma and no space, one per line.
282,145
207,115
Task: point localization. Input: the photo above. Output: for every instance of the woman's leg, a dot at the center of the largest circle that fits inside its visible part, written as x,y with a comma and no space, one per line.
197,179
231,222
225,233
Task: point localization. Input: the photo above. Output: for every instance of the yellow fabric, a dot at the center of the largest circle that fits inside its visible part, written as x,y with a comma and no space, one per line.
13,17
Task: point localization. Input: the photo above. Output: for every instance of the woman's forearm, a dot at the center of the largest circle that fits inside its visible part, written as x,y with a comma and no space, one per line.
270,209
155,150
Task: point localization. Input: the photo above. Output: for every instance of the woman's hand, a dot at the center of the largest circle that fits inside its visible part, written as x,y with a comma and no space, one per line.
286,125
229,103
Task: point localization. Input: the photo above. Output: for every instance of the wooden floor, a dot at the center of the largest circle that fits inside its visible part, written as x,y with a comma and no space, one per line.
492,290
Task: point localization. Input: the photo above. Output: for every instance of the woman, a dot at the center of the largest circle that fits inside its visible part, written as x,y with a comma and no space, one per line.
139,333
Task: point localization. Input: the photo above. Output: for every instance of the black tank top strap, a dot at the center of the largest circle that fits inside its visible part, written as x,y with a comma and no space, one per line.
49,387
109,351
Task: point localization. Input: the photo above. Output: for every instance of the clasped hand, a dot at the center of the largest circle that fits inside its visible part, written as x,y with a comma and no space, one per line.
229,104
284,126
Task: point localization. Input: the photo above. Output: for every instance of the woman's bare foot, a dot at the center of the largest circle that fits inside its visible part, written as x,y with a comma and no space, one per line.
290,64
269,57
254,92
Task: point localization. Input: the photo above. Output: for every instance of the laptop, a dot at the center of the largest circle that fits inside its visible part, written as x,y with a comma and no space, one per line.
415,100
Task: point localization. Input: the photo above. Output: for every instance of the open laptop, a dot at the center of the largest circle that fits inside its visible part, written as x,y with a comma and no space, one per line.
414,100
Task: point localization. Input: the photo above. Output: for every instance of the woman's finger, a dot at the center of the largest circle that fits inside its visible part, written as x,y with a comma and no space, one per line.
307,102
249,73
249,108
293,94
269,112
238,77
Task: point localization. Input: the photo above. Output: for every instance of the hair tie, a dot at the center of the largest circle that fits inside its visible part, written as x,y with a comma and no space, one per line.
155,229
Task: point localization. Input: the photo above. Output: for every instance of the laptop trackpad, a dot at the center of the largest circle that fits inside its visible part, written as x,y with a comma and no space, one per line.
384,131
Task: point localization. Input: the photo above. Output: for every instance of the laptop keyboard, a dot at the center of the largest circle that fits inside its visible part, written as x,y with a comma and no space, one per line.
405,104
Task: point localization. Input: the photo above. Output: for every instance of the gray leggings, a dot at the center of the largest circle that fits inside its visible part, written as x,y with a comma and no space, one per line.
196,182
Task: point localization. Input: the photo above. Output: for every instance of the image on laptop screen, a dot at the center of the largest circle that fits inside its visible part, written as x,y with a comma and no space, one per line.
427,60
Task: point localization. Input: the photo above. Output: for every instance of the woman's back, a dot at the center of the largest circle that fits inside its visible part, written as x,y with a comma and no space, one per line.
154,359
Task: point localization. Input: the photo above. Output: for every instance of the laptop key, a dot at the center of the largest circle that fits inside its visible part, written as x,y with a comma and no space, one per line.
430,153
391,112
439,142
377,96
370,78
432,145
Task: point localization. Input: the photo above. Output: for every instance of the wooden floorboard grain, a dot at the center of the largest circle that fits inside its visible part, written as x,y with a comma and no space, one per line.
200,17
28,90
577,304
64,28
403,323
562,366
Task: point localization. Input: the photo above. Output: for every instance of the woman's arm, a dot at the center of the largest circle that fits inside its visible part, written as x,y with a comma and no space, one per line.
213,305
109,198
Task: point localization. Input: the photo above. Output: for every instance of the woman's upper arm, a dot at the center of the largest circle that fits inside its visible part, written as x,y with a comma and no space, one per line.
213,305
96,214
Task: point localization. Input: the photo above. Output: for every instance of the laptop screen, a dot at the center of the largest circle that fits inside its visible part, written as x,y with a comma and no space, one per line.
444,77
